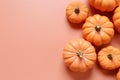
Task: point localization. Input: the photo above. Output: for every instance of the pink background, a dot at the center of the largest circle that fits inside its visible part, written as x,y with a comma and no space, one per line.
32,36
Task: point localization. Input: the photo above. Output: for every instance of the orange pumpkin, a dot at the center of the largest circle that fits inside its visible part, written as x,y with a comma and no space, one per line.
118,75
109,58
76,12
104,5
79,55
98,30
116,19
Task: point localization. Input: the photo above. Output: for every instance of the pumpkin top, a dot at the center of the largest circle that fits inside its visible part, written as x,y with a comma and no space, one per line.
79,55
76,7
109,52
109,57
76,12
98,30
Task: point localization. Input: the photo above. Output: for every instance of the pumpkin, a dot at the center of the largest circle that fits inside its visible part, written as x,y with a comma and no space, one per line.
98,30
76,12
79,55
104,5
118,75
109,58
116,18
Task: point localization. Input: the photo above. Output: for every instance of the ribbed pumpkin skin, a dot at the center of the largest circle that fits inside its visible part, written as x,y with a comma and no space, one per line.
79,55
116,18
109,58
104,5
98,30
76,12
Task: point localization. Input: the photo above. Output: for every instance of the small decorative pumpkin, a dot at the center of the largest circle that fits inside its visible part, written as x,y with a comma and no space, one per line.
109,58
116,19
76,12
104,5
98,30
79,55
118,75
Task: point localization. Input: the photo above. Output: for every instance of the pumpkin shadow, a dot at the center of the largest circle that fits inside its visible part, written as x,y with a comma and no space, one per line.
95,11
98,48
79,75
75,25
116,40
106,72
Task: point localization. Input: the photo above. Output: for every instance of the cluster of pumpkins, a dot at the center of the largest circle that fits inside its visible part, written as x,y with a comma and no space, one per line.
79,54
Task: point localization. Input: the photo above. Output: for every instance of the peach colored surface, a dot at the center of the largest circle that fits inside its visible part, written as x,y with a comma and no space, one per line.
32,36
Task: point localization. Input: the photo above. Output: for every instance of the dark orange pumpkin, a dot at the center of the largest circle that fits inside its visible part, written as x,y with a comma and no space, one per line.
116,18
104,5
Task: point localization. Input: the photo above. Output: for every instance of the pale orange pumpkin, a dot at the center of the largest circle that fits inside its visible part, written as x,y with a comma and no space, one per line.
118,75
104,5
76,12
116,18
98,30
109,58
79,55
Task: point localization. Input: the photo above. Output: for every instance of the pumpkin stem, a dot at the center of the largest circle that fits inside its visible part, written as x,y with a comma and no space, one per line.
80,54
110,56
97,28
77,10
